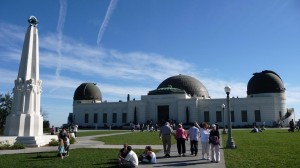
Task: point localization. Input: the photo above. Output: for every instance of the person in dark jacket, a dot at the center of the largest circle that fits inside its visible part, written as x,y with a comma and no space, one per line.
214,141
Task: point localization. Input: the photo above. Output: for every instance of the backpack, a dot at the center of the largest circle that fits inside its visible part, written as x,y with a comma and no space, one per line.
214,140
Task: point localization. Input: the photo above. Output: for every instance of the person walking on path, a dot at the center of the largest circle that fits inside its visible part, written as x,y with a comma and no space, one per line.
204,137
165,136
181,137
75,130
214,141
194,135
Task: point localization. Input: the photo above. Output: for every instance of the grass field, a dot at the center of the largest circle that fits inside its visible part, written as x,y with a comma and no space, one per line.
78,158
91,133
271,148
139,138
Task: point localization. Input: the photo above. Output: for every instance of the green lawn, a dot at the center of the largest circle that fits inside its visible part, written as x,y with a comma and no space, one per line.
77,158
137,138
99,132
271,148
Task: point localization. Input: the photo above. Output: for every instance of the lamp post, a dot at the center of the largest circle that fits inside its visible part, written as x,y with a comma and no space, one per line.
224,130
230,141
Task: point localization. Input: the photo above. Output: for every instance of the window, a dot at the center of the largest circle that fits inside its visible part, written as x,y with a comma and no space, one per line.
257,116
124,117
206,116
232,116
95,118
218,116
244,116
104,117
86,118
114,119
280,115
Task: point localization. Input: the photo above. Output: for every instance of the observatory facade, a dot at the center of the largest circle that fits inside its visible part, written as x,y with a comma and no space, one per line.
185,99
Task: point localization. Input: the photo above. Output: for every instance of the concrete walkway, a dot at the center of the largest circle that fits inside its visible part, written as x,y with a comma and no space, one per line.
189,161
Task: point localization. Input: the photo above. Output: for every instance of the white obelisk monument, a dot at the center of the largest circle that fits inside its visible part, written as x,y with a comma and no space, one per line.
25,118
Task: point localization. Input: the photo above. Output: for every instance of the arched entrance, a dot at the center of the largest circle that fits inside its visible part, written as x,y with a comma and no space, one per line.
162,114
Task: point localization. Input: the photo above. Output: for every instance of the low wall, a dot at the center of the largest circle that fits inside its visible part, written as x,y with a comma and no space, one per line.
36,141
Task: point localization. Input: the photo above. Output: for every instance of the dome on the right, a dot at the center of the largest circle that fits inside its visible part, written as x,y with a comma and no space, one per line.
265,82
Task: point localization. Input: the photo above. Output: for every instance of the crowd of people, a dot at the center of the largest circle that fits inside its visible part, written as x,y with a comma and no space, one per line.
208,136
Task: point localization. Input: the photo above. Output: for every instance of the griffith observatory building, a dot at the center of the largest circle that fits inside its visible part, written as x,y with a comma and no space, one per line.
185,99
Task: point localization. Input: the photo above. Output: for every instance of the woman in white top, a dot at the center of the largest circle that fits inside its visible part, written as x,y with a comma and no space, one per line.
204,137
148,156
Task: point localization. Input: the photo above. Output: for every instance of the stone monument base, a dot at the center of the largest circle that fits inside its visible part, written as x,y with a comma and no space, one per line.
24,125
30,141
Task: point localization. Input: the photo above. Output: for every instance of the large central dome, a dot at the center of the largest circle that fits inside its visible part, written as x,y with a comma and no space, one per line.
190,85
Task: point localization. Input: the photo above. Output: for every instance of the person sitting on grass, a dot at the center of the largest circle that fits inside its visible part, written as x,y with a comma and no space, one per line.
122,153
131,160
148,156
255,130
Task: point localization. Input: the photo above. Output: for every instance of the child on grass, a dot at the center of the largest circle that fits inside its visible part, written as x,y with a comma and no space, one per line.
61,148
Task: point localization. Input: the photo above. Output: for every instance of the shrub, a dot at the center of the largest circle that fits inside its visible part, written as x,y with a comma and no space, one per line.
53,142
4,145
72,140
17,146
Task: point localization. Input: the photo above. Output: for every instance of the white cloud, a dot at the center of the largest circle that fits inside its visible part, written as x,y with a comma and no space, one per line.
115,72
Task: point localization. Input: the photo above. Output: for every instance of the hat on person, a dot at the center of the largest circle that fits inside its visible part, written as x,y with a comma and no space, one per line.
213,126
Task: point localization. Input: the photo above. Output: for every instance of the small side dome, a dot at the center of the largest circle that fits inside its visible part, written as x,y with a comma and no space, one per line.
265,82
190,85
87,91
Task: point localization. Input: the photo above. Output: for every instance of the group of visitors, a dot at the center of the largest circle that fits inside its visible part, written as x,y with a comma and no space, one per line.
64,143
209,140
128,158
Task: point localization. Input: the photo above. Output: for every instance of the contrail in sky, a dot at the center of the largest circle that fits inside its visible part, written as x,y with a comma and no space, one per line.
59,28
104,24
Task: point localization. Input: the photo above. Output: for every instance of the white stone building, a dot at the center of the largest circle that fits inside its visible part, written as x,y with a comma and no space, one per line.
182,98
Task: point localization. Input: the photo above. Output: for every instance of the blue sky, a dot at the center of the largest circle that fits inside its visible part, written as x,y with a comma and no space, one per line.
130,47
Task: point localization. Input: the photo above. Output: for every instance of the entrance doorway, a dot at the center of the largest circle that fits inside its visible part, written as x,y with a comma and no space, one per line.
162,114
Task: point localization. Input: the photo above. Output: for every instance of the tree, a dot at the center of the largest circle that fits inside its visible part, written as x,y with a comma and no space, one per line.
46,123
5,107
44,113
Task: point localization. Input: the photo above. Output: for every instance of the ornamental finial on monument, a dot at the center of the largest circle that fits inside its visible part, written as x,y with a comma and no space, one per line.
33,21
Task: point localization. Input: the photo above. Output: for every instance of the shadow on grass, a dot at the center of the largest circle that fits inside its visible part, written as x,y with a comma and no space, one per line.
42,156
112,163
182,163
